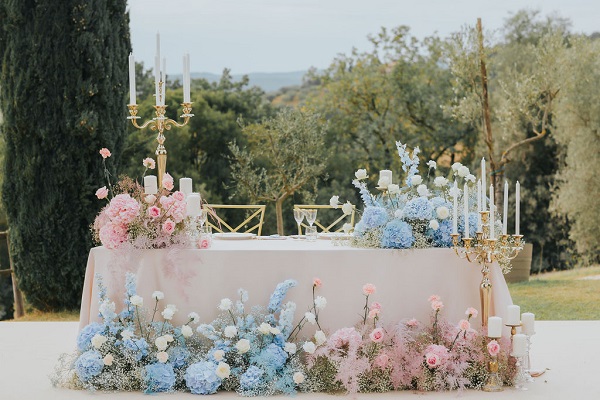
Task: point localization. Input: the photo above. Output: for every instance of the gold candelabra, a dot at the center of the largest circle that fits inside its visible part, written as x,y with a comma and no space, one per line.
160,123
484,250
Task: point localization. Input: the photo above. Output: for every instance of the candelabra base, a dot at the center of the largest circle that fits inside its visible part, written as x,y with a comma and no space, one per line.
520,377
493,382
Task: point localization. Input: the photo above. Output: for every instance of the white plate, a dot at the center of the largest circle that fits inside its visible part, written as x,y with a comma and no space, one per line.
333,235
234,236
272,237
302,237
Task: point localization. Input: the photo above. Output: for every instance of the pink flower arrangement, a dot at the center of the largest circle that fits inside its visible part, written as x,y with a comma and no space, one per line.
168,226
113,235
317,283
436,355
377,335
178,196
471,312
493,348
105,153
123,209
464,325
149,163
368,289
412,322
345,337
437,305
167,182
102,193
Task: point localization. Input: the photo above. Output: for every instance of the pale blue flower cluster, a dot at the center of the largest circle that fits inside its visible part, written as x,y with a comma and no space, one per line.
159,378
271,359
473,221
418,208
139,347
374,217
279,294
201,378
251,378
410,164
441,236
397,234
84,338
89,365
178,356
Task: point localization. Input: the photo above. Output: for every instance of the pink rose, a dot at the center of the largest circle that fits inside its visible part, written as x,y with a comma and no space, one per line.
154,212
149,163
437,305
432,360
373,313
150,199
382,361
168,226
368,289
493,348
436,355
412,323
377,335
203,243
317,283
166,201
104,152
179,196
464,325
167,181
471,312
102,192
375,306
433,297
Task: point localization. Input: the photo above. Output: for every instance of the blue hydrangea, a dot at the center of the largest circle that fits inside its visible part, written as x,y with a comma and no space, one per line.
159,378
139,347
208,331
360,229
84,339
89,365
397,234
373,217
279,294
178,356
271,359
438,202
441,236
201,378
473,220
419,208
251,378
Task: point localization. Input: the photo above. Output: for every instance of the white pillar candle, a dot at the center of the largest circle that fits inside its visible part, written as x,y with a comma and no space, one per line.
479,205
483,205
528,321
505,210
513,315
519,345
492,213
150,184
494,327
193,205
466,205
132,93
518,207
455,209
185,185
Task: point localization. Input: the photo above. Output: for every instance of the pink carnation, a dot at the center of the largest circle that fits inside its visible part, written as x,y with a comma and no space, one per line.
123,209
149,163
493,348
437,305
179,196
471,312
154,212
464,325
375,306
433,297
377,335
374,313
432,360
203,243
167,181
168,226
112,235
368,289
412,323
317,282
102,192
382,361
104,152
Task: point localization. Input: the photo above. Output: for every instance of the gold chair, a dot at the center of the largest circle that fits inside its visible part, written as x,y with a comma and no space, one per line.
335,226
257,212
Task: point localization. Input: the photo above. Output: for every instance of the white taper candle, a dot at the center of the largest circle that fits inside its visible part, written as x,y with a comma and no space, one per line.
483,186
505,210
466,209
454,209
518,207
132,93
478,205
492,213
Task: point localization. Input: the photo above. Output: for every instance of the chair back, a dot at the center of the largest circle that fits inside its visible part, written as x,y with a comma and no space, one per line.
253,223
335,226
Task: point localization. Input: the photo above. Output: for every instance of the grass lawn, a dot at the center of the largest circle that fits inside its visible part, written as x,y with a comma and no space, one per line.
562,295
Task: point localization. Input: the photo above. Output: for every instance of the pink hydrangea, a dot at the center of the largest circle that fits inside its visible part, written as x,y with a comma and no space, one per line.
377,335
493,348
437,305
123,209
112,235
464,325
317,282
382,361
149,163
154,212
179,196
168,226
471,312
368,289
167,181
104,152
102,192
436,355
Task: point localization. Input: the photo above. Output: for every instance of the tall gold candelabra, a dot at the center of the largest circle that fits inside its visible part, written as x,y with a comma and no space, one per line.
160,123
484,251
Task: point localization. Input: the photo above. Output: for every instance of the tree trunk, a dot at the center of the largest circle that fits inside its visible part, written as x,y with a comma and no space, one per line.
279,214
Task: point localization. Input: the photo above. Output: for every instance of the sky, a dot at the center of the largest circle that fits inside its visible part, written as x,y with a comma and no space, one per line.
293,35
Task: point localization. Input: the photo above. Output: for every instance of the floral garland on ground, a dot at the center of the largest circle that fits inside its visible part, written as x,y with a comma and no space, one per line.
256,352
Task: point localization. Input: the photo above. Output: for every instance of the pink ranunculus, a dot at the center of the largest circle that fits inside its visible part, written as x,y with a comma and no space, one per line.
493,348
377,335
102,192
412,323
382,361
123,209
464,325
168,226
104,152
368,289
150,199
149,163
179,196
471,312
112,235
375,306
437,305
154,212
432,360
433,297
374,313
203,243
317,283
167,181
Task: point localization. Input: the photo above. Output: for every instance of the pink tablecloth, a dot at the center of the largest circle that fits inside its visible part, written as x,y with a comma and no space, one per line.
196,280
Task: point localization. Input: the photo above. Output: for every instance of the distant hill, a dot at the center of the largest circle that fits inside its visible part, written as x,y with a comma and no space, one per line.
267,81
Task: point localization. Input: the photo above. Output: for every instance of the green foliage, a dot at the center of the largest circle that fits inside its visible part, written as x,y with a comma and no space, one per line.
64,74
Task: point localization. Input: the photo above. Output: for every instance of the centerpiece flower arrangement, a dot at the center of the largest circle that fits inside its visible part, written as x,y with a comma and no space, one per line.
132,217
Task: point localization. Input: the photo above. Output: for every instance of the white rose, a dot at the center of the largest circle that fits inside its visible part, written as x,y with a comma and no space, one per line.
456,166
158,295
320,302
225,305
108,359
334,201
150,199
275,331
168,313
242,346
162,356
230,331
194,317
347,208
320,338
290,348
218,355
463,171
434,224
309,347
470,178
223,370
361,174
454,191
383,182
422,190
136,300
186,331
98,340
264,328
161,343
347,227
169,338
393,188
298,377
440,181
172,307
416,180
432,164
127,334
398,214
310,317
442,212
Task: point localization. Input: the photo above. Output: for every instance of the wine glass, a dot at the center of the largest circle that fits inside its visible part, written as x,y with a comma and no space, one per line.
298,216
311,216
202,217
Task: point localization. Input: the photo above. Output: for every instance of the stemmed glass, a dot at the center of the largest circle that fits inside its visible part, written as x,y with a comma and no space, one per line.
202,217
311,216
298,216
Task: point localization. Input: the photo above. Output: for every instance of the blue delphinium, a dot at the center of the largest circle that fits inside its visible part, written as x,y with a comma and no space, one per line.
159,378
397,234
84,339
89,365
279,294
410,164
441,236
419,208
130,290
271,359
139,347
286,317
374,217
201,378
178,356
473,220
251,378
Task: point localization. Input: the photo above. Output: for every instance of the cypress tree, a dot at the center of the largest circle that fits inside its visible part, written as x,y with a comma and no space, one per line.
63,95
